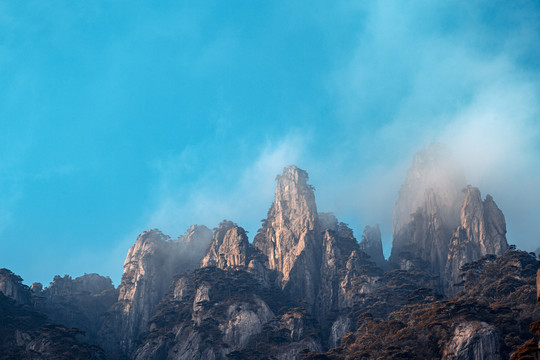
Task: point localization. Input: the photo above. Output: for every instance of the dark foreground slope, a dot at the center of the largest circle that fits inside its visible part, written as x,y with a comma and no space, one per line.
26,333
488,319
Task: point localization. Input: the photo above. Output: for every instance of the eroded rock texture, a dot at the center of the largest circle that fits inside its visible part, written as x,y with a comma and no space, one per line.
488,319
208,314
474,340
11,286
427,211
290,236
482,231
229,248
150,266
304,288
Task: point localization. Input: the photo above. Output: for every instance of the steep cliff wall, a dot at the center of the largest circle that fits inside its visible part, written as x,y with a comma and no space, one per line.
11,286
482,231
290,236
150,266
427,211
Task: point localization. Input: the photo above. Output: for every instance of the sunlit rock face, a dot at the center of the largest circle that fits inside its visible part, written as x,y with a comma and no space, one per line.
150,266
427,211
229,248
482,231
317,258
474,340
290,236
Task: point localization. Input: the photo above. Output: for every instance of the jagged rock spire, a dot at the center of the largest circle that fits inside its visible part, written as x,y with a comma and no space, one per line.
440,223
290,235
230,247
427,211
482,231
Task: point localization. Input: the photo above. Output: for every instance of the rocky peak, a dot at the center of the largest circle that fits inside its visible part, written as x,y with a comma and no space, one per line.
150,266
433,168
89,283
294,202
11,286
427,211
371,244
482,231
230,247
290,236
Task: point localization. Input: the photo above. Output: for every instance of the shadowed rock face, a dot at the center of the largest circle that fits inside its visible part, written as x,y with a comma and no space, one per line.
433,170
487,320
194,244
482,231
371,244
27,334
208,313
88,283
81,302
427,211
441,226
290,236
11,286
148,270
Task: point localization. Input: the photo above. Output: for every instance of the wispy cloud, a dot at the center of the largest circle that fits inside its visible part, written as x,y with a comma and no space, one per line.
244,200
422,82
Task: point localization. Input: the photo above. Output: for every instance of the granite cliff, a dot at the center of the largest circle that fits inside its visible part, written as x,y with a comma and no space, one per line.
290,235
149,268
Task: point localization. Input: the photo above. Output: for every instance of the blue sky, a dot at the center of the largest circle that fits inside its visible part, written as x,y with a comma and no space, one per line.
120,116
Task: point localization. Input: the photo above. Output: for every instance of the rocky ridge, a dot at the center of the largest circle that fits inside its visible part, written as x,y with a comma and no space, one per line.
306,287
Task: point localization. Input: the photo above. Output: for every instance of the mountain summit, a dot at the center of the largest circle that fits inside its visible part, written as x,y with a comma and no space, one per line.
452,288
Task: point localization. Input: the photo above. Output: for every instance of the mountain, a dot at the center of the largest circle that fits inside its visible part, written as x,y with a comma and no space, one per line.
26,333
304,288
290,236
150,266
440,223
